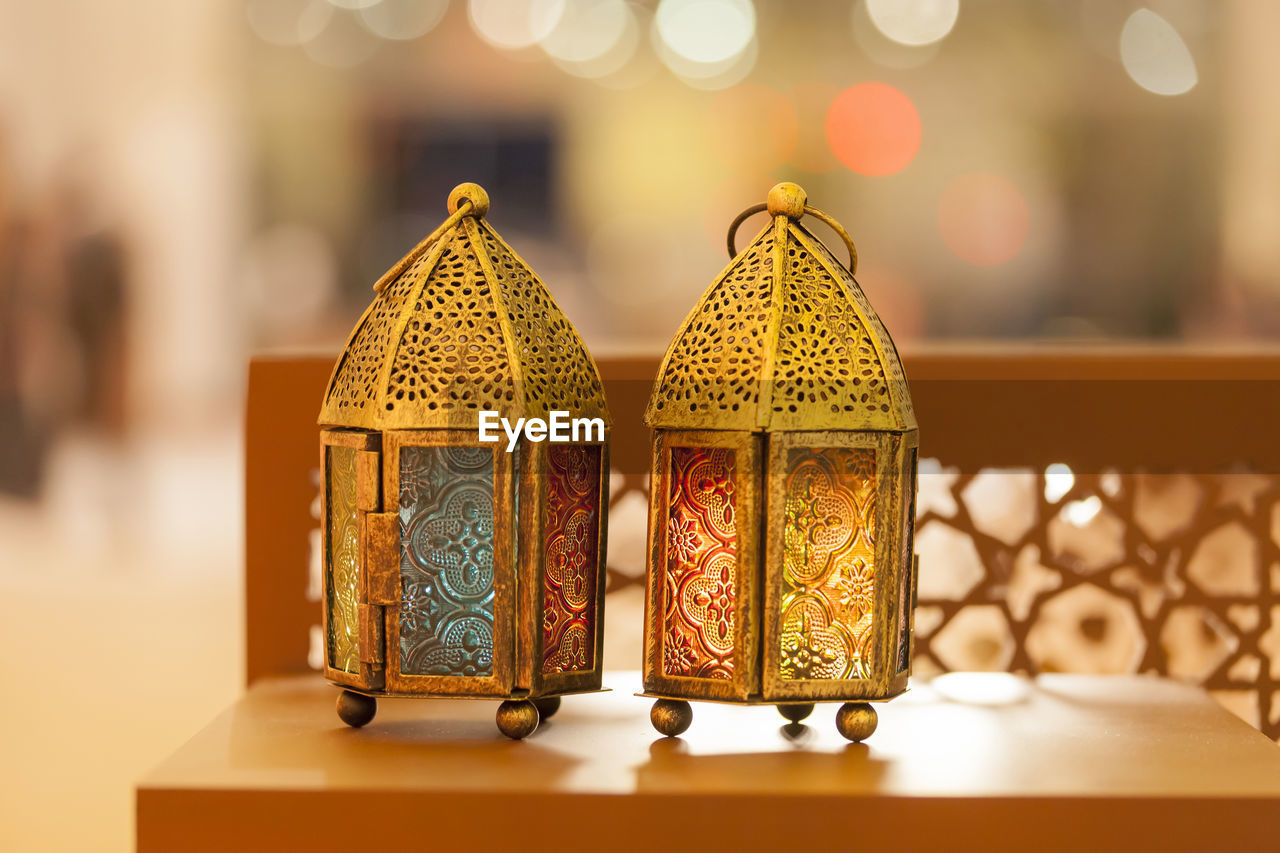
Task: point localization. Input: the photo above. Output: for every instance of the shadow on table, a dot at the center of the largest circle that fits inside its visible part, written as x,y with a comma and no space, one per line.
671,768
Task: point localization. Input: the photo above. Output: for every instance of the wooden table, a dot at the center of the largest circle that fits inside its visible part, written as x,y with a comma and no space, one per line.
971,762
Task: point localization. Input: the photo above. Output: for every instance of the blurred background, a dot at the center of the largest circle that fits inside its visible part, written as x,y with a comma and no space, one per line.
184,184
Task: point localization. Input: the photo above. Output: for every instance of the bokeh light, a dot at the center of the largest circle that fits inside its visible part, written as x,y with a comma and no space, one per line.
625,65
706,31
873,129
401,20
1155,56
342,43
288,22
513,24
708,75
883,50
983,219
914,22
587,30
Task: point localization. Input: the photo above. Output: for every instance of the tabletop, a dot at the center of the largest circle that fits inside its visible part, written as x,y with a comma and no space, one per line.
967,761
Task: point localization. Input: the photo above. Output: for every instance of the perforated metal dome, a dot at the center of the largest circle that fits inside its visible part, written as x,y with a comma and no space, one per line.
459,325
783,339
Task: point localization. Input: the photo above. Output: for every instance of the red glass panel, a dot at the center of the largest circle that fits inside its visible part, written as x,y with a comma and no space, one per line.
701,561
572,533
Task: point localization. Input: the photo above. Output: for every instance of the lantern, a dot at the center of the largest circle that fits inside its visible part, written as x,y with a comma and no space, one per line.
780,566
456,566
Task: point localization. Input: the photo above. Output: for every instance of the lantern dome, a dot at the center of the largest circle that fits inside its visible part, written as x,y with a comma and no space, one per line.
783,339
461,324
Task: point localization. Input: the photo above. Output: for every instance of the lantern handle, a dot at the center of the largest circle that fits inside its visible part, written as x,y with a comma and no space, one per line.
812,211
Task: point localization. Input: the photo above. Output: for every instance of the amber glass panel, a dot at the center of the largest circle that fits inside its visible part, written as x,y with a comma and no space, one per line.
343,561
572,533
446,561
829,571
701,559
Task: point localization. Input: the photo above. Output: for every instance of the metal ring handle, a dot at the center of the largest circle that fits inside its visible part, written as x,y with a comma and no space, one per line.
812,211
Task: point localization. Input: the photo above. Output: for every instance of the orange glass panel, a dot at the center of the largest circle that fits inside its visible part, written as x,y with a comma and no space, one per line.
701,552
572,533
829,572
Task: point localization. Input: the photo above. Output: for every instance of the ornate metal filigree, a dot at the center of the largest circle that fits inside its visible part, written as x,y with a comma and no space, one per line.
460,325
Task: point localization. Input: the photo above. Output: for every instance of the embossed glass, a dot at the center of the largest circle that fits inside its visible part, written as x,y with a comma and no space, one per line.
342,561
701,558
572,542
446,561
829,563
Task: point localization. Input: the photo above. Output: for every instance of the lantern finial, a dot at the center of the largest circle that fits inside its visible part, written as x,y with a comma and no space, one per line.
787,199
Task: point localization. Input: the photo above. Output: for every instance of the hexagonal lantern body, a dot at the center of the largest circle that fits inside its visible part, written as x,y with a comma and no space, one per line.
783,490
451,566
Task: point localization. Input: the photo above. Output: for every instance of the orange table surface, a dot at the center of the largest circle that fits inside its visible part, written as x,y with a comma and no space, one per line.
972,762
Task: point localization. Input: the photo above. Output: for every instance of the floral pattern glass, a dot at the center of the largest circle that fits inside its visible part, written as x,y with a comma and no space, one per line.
699,575
343,559
829,572
572,533
446,561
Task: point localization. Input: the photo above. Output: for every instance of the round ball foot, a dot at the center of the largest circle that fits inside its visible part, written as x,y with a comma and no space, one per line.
856,721
517,718
356,709
796,713
547,707
671,716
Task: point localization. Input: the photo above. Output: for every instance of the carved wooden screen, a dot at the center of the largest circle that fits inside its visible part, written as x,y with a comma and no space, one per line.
1046,541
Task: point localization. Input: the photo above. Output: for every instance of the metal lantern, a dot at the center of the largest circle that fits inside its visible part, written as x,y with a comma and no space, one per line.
455,566
783,490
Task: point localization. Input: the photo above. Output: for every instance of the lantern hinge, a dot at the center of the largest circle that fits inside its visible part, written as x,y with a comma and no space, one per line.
382,557
371,634
368,480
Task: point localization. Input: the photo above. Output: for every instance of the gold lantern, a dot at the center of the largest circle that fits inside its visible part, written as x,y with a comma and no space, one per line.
456,566
780,565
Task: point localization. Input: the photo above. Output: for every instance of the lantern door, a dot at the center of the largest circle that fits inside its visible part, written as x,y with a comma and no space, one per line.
450,587
351,625
833,566
700,636
563,524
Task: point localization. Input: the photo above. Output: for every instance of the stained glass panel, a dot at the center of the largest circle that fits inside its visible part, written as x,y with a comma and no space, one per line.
701,560
572,532
908,545
829,572
343,561
446,561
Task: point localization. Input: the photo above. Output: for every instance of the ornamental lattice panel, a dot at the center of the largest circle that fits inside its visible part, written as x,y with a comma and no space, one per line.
1052,571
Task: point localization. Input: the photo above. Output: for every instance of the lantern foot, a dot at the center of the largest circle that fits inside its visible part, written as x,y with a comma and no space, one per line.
356,709
856,721
517,718
671,716
547,707
796,713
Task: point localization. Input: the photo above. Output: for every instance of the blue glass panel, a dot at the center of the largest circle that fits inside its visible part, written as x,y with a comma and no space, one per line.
446,561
